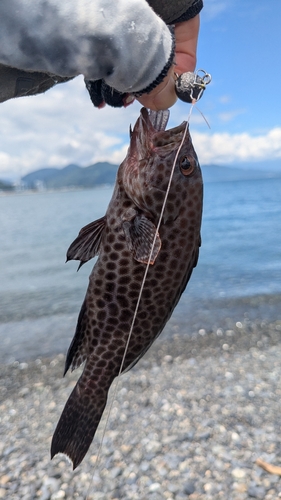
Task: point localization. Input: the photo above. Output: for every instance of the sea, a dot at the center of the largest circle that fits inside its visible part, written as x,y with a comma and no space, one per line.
237,279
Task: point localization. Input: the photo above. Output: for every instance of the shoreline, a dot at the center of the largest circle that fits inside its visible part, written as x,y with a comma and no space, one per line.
189,421
65,189
26,338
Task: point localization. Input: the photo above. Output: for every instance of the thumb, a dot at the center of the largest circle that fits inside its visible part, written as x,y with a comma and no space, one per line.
163,96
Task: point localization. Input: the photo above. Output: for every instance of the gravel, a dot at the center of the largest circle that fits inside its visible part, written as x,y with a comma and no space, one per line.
188,422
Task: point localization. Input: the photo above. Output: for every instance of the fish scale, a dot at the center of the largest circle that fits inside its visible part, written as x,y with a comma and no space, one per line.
123,239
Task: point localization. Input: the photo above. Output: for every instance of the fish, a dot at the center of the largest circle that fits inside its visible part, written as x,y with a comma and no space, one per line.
123,240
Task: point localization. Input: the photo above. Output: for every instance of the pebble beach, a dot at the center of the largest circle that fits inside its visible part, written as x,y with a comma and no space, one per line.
188,422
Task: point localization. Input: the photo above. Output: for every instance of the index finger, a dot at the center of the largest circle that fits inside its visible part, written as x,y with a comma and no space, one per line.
186,34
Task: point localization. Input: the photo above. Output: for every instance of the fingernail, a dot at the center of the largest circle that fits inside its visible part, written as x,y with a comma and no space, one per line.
102,105
128,100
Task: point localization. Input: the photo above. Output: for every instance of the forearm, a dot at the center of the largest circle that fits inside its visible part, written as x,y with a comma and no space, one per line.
128,47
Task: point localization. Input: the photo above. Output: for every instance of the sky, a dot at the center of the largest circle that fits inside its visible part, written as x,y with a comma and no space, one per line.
239,45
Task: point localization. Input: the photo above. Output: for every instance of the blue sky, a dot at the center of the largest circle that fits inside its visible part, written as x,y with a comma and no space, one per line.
239,45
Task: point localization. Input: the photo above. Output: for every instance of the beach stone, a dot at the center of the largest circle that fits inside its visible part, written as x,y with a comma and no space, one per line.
238,473
185,400
189,488
173,488
4,479
204,436
115,471
153,447
256,492
154,487
273,478
58,495
240,487
208,488
168,359
99,495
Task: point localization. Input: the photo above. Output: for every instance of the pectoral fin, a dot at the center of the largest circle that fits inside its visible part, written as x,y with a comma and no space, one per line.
140,233
86,245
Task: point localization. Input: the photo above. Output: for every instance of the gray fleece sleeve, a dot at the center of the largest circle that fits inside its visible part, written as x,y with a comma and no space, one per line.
122,41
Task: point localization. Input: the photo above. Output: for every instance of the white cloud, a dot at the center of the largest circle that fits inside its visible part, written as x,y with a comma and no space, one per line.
225,99
227,116
58,128
213,8
62,127
228,148
119,154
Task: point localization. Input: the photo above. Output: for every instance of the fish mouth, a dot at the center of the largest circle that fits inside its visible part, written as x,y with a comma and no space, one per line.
149,135
159,119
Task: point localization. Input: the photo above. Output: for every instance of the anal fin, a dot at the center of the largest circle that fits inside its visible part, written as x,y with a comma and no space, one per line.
76,354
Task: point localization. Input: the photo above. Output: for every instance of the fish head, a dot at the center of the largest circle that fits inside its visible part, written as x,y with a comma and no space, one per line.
152,154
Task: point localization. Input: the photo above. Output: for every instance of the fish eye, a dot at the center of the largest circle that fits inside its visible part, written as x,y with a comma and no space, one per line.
186,165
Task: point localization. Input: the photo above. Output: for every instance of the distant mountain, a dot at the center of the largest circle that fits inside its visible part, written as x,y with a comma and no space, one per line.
105,173
6,186
218,173
268,165
72,176
43,175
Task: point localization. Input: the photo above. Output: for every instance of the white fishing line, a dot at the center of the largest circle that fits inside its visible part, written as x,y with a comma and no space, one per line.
139,297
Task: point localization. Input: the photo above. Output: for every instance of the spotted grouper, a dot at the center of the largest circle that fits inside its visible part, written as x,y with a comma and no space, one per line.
123,240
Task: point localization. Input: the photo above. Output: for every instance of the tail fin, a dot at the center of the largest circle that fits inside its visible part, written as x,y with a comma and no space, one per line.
79,421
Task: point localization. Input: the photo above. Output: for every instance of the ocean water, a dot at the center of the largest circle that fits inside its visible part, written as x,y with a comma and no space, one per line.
238,274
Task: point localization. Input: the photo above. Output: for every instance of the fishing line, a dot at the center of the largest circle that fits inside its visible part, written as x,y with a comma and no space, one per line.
139,296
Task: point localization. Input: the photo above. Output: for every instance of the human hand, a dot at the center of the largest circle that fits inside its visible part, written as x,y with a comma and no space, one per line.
164,95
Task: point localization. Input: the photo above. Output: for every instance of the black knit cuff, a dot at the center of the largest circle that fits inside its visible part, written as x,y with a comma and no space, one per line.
193,11
164,71
101,94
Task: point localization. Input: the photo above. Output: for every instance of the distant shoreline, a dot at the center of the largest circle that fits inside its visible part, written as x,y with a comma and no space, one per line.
53,190
74,177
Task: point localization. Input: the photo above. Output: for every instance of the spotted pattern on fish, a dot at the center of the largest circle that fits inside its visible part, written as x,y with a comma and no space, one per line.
123,240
